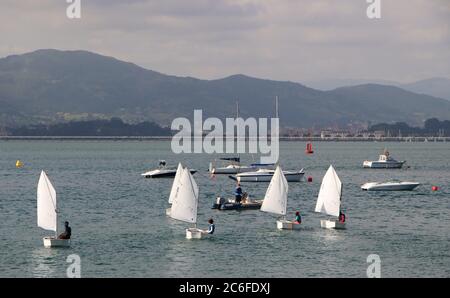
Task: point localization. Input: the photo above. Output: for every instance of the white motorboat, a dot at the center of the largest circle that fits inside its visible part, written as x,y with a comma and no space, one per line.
233,168
275,200
163,171
265,175
47,214
389,186
329,199
384,162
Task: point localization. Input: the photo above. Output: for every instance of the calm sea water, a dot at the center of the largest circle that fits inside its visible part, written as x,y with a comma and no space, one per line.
120,228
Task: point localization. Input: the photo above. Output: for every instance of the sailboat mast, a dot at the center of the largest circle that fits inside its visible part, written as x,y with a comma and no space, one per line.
276,107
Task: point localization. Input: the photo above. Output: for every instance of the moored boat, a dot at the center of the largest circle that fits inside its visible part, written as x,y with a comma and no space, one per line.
385,161
265,175
390,186
163,171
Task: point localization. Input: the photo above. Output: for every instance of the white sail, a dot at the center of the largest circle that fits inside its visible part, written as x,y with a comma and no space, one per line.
275,200
185,201
46,204
176,183
329,199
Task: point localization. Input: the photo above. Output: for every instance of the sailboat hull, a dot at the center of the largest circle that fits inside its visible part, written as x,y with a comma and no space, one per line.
332,224
53,242
287,225
194,233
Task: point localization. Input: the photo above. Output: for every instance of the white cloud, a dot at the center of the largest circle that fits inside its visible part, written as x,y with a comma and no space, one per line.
294,40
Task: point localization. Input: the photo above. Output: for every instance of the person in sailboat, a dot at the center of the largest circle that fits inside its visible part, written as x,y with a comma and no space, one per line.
211,227
341,217
238,193
298,218
67,231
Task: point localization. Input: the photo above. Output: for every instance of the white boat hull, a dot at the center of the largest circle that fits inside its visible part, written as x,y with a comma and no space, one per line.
231,170
168,211
383,164
53,242
401,186
332,224
287,225
290,177
194,233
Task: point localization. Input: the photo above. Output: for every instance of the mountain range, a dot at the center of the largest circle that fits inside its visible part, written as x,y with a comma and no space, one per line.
437,87
48,86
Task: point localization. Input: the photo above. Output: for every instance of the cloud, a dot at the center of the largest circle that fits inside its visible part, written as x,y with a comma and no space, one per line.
295,40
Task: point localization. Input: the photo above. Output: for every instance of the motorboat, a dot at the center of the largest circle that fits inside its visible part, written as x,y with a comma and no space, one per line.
265,175
390,186
163,171
385,161
230,204
233,167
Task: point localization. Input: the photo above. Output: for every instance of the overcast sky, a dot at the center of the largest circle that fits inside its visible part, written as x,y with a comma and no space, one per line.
295,40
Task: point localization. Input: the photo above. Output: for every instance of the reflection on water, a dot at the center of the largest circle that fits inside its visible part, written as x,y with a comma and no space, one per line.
43,262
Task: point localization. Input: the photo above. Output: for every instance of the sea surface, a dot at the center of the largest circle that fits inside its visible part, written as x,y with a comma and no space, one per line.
120,228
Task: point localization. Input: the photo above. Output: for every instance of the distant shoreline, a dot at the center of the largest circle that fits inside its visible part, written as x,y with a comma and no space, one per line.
169,138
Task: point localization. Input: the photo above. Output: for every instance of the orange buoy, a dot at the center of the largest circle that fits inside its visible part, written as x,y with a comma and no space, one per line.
310,179
434,188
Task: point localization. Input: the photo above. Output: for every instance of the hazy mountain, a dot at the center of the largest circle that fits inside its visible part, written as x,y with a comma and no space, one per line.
438,87
331,84
51,85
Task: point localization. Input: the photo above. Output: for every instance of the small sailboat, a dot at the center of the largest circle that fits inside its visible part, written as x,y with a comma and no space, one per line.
185,203
275,200
47,212
175,186
329,199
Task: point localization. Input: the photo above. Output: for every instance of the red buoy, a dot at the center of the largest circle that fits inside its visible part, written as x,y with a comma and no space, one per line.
309,149
309,179
434,188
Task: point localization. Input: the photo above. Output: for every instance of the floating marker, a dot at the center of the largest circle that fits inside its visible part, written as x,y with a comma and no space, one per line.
310,179
435,188
19,164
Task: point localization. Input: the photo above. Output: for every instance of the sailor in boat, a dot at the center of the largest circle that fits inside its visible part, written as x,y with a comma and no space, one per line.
298,218
211,227
238,193
67,231
341,217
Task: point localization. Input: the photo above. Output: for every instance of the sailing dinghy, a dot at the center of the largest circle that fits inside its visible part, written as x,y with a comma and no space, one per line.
329,199
185,203
175,186
47,213
275,200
